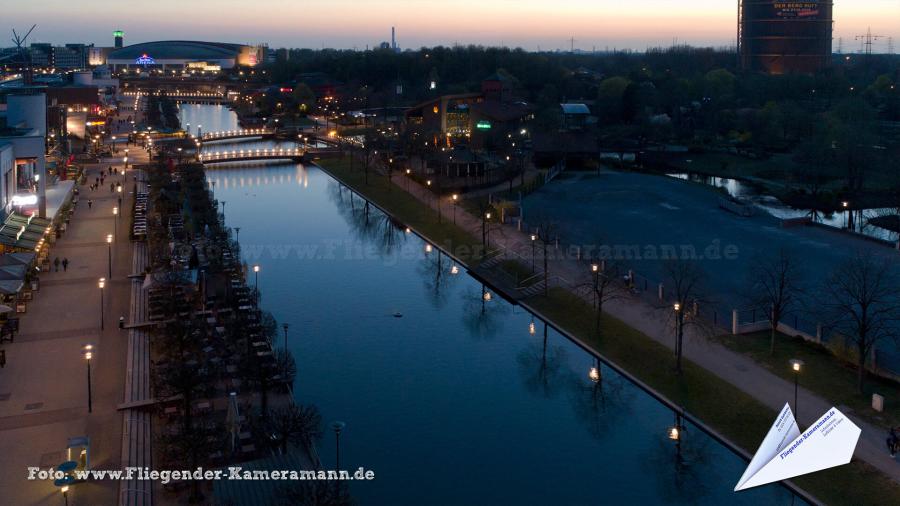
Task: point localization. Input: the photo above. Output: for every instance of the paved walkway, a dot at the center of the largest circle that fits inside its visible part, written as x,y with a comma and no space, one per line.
730,366
43,388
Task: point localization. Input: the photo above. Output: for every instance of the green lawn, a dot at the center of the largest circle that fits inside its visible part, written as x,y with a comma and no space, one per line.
823,373
399,203
725,408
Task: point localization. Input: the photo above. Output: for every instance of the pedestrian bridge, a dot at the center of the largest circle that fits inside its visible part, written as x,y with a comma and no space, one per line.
252,155
230,135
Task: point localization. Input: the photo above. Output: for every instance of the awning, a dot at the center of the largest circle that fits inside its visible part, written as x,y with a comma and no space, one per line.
24,232
12,272
23,258
11,287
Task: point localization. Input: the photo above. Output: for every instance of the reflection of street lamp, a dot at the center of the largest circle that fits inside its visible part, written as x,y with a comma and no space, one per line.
109,240
796,366
101,284
594,374
88,355
337,427
676,433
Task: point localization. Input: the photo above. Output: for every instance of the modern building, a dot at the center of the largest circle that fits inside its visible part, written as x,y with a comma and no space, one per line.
22,139
119,39
780,37
478,119
180,54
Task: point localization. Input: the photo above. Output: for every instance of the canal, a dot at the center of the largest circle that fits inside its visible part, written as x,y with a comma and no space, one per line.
450,394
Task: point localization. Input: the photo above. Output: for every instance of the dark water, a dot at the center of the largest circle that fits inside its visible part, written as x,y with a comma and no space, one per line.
461,400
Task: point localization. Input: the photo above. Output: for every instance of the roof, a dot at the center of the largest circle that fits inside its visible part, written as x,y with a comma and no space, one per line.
178,50
575,109
24,232
500,111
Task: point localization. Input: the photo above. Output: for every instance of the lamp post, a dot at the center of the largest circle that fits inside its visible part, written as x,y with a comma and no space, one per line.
796,366
65,493
285,327
101,284
256,281
595,271
408,177
119,192
533,252
109,240
455,197
88,355
846,205
679,324
484,219
337,427
116,214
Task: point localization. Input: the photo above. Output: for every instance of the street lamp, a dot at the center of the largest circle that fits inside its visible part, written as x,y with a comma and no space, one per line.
88,355
679,324
337,427
256,282
484,218
109,240
533,253
116,214
455,197
101,284
796,366
65,493
846,206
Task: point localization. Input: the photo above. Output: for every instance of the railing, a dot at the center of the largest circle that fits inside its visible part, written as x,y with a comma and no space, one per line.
251,154
228,134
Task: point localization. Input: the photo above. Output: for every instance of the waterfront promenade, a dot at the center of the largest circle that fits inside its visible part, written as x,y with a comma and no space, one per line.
730,366
43,387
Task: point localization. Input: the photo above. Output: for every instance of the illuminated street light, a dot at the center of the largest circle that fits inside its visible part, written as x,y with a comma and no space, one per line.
101,284
88,355
109,240
796,367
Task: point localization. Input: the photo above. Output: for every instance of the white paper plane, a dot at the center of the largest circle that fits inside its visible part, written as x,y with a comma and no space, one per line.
786,453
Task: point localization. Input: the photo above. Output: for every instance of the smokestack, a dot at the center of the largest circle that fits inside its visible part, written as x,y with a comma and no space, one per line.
393,38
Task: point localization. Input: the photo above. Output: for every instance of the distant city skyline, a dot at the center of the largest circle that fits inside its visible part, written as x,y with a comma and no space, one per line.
530,24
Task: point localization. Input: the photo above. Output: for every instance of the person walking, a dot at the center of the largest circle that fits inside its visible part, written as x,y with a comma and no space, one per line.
65,264
892,441
2,359
56,263
90,203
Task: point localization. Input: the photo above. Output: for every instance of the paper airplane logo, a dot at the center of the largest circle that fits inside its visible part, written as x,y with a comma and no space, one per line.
786,453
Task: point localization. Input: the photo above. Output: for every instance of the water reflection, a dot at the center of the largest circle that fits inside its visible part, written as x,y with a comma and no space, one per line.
776,208
541,365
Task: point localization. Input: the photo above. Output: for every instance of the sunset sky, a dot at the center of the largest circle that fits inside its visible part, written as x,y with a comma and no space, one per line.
530,24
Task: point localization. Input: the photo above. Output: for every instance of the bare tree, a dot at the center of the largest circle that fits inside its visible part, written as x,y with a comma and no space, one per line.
860,298
604,286
297,424
686,280
775,284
